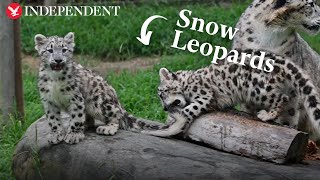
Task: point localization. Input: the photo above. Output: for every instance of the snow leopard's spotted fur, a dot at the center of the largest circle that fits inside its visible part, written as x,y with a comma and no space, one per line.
188,94
66,86
273,25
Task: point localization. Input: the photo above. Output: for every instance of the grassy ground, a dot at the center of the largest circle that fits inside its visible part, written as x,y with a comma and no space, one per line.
115,38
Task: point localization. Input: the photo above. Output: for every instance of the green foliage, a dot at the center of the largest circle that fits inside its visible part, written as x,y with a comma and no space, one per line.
11,133
115,37
313,41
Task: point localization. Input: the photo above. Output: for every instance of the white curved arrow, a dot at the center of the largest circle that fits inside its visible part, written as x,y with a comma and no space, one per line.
144,34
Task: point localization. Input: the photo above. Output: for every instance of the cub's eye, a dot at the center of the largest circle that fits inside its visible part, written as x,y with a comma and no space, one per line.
50,50
176,102
64,50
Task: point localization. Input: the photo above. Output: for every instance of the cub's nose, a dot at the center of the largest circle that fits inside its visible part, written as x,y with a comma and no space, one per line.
58,61
165,108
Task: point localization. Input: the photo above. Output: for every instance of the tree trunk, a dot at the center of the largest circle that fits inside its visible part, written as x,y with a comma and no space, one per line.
7,82
18,71
128,155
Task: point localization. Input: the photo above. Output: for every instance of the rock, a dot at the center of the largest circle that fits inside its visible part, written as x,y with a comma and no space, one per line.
130,155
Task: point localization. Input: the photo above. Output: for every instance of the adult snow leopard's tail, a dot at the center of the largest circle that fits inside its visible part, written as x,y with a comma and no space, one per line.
305,87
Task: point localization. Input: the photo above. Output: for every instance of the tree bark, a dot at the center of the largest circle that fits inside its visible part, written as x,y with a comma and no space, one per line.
7,81
247,137
128,155
18,71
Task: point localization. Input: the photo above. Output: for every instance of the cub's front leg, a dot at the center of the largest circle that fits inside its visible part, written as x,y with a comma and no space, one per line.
194,110
53,116
75,131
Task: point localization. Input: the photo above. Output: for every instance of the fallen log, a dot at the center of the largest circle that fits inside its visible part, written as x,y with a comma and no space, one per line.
130,155
244,136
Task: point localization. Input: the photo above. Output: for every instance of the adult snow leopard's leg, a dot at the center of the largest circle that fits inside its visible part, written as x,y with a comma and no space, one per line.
76,127
53,115
276,105
112,117
291,113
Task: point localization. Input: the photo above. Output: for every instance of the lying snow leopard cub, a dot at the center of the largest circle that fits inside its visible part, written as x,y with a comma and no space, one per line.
66,86
188,94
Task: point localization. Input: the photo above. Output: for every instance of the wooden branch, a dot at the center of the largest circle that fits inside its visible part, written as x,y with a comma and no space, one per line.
243,136
18,71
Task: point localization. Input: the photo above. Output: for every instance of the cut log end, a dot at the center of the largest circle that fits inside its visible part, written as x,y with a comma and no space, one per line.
298,148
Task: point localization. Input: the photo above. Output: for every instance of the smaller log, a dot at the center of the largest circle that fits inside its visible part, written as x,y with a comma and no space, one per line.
244,136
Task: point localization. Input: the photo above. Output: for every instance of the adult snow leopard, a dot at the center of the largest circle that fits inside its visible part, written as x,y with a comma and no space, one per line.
273,25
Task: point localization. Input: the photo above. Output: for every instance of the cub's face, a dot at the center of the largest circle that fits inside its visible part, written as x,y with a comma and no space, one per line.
55,51
170,91
297,14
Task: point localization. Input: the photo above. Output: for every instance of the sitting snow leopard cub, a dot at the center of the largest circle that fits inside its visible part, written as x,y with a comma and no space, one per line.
188,94
66,86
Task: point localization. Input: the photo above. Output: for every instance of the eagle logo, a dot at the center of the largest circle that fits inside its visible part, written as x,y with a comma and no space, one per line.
14,11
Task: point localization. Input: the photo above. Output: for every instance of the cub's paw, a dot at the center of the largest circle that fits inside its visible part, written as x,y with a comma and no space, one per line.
56,137
73,137
110,129
265,116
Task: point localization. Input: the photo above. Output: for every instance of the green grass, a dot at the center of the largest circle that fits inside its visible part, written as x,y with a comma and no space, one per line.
115,37
11,133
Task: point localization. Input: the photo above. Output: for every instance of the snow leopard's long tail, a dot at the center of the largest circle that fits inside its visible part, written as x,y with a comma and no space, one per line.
306,89
172,128
136,124
149,127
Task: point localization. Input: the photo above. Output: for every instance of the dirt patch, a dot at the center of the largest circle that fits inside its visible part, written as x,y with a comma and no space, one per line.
103,68
312,151
132,65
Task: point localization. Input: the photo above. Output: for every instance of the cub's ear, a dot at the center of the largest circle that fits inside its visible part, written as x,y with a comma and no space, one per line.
164,74
69,38
279,3
39,40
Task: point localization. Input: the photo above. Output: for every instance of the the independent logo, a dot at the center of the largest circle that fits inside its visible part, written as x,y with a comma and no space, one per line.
14,11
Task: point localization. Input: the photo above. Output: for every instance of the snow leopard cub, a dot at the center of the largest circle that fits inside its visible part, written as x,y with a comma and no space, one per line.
188,94
66,86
